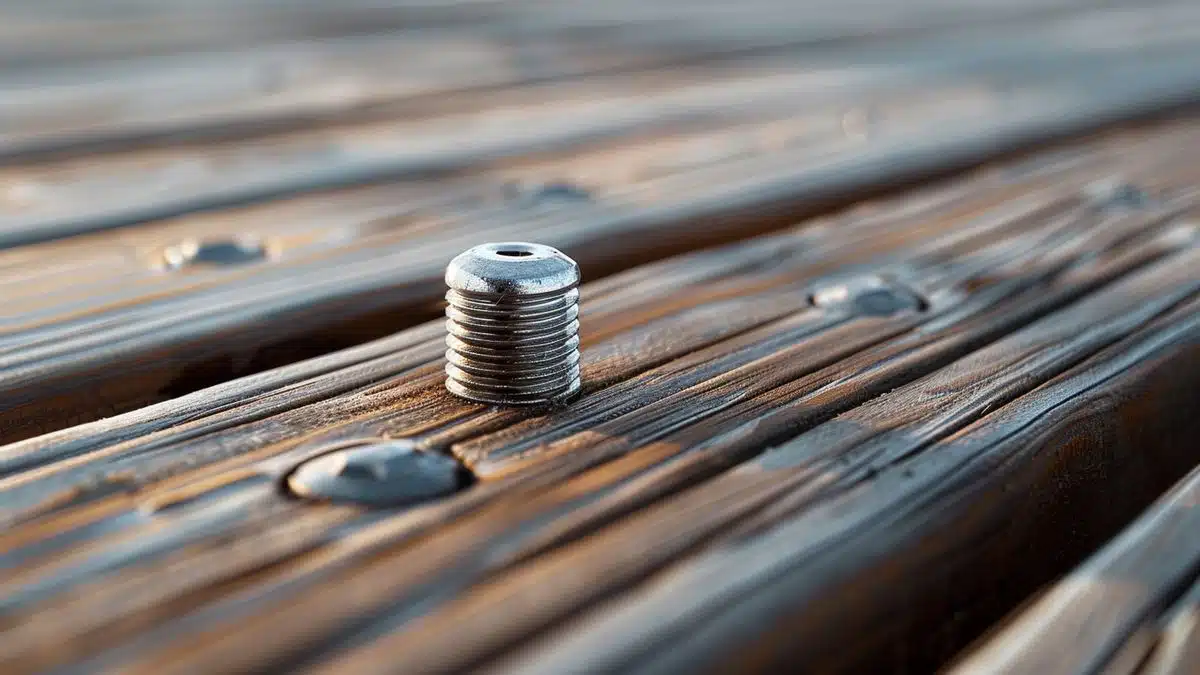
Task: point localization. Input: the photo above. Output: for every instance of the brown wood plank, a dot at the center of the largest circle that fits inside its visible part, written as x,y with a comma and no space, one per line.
466,134
690,139
535,595
39,33
290,84
1178,648
1107,614
790,594
119,350
731,433
946,207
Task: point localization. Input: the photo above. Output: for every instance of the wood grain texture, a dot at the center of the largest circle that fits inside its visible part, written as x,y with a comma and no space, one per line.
1178,648
1111,609
788,588
108,356
742,484
59,32
354,164
527,117
228,93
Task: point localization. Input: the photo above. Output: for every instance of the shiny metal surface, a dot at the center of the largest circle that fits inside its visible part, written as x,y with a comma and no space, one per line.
392,473
513,325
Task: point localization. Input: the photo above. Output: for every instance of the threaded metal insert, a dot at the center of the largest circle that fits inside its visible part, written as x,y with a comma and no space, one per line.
513,325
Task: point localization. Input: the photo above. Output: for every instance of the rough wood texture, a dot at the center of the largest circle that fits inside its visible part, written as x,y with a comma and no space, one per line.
748,479
614,133
60,31
1127,610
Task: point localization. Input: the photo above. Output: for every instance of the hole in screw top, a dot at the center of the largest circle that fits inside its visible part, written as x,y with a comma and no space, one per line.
513,253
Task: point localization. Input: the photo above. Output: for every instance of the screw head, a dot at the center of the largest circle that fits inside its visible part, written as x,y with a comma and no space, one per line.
868,296
512,269
390,473
234,251
1114,193
535,194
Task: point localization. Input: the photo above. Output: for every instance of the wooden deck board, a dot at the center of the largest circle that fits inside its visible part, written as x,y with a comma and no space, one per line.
261,87
1128,609
760,474
728,431
370,264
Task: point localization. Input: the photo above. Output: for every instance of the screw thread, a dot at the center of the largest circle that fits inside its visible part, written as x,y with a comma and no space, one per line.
513,348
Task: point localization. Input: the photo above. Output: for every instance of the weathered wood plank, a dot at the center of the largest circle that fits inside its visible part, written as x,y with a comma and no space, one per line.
422,88
815,250
297,84
849,444
39,33
534,596
745,138
1106,615
118,356
531,124
893,550
128,542
1178,647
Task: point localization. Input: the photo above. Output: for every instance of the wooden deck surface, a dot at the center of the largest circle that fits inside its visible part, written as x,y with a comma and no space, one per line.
1133,607
890,326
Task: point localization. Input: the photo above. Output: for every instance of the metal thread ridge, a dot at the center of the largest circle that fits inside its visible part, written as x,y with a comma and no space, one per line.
516,349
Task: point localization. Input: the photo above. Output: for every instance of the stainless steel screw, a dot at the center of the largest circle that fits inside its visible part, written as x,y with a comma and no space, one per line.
513,322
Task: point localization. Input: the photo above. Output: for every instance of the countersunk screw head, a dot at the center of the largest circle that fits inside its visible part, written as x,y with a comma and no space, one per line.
535,194
1114,194
868,296
512,318
234,251
389,473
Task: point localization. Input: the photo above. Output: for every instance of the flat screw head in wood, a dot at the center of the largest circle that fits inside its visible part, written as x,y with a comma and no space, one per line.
513,322
1114,194
385,473
868,296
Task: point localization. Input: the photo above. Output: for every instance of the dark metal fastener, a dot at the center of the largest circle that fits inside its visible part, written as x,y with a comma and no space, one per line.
512,318
388,473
